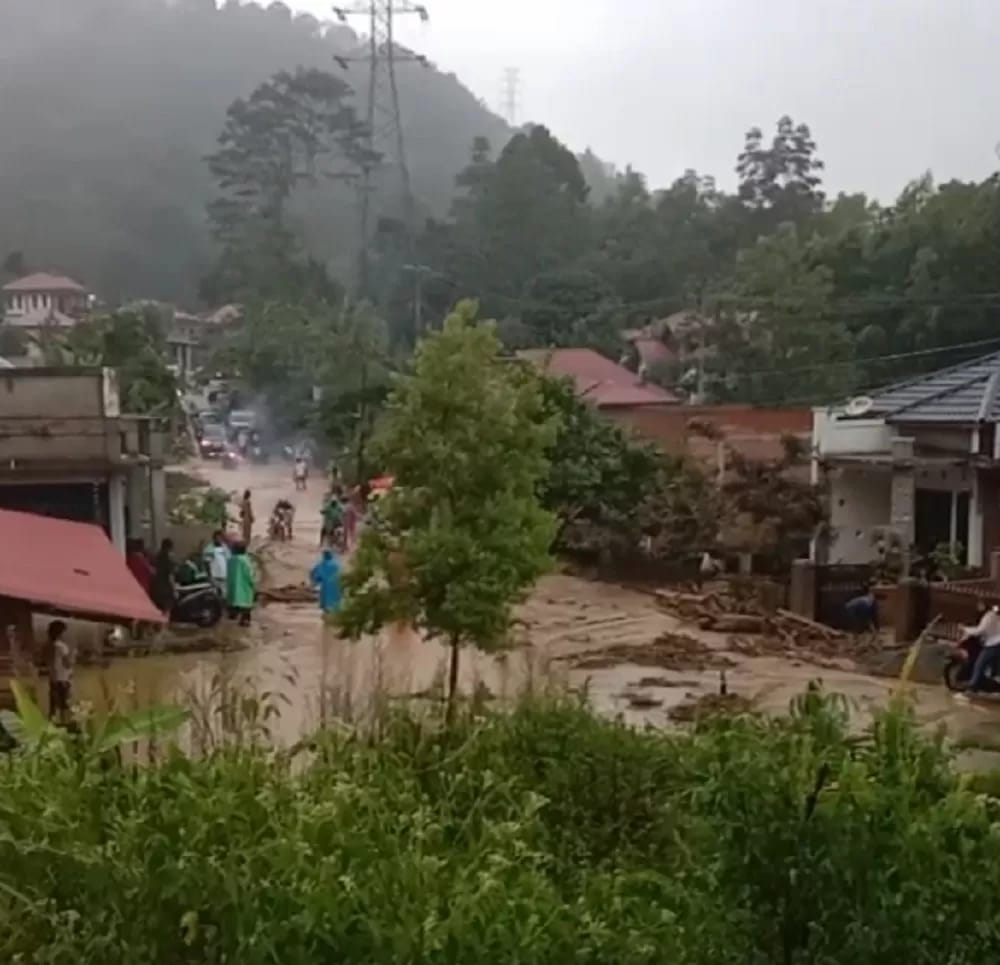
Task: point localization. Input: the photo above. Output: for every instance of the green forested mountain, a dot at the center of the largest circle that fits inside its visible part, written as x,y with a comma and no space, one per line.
108,108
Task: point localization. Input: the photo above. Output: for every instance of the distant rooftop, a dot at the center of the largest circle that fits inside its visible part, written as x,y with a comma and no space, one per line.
966,393
43,281
597,379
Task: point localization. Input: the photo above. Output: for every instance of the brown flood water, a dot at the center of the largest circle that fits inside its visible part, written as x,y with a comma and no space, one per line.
290,652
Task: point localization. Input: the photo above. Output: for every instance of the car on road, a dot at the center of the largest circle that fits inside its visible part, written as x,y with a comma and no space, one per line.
213,442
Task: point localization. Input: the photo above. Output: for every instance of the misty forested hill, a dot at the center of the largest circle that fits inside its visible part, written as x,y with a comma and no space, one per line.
108,107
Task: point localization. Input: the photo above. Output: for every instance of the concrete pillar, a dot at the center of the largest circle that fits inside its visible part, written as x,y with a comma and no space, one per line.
974,538
903,497
157,504
137,504
802,589
912,604
116,511
995,567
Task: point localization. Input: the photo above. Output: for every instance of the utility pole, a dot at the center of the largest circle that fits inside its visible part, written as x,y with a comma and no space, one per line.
386,143
509,96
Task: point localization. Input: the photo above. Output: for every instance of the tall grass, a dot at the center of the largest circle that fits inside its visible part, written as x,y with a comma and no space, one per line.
543,835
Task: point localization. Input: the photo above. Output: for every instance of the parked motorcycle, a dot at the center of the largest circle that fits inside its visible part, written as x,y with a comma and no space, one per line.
199,604
958,669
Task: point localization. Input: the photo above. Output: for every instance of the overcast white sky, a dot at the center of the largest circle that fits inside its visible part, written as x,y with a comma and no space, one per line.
889,87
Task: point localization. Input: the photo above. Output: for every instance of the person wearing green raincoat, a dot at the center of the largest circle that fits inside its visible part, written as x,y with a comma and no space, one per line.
241,590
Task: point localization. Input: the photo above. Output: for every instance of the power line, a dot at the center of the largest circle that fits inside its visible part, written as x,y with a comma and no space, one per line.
510,94
383,116
894,357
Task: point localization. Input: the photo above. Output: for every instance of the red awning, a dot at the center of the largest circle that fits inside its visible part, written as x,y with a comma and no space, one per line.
70,568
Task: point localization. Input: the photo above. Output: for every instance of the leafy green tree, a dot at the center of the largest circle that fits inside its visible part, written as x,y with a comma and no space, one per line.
781,181
295,129
573,308
597,475
780,339
131,340
616,495
461,536
514,219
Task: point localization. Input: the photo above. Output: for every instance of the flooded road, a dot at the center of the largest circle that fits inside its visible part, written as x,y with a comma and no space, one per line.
292,659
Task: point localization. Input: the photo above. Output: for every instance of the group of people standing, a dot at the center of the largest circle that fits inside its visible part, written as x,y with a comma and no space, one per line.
225,563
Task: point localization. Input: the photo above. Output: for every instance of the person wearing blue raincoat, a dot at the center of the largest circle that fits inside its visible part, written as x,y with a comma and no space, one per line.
326,575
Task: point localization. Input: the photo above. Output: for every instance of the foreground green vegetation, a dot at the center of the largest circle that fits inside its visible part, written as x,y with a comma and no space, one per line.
545,835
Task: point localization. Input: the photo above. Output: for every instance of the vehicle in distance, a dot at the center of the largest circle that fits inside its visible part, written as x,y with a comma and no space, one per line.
213,441
242,419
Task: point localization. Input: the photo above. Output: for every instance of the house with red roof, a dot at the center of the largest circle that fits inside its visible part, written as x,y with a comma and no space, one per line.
608,386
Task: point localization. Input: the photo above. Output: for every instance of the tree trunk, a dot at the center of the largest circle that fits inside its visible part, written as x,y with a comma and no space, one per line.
449,714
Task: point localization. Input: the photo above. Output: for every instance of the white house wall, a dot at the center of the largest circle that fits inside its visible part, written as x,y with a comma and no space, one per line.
833,436
859,509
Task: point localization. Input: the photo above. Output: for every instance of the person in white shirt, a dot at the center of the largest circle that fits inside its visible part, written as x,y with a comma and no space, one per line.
217,558
988,630
61,660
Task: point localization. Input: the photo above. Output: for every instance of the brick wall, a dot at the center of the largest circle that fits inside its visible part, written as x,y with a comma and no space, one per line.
755,432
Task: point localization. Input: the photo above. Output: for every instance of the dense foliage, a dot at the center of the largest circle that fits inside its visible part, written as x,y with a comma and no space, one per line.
614,495
132,341
788,296
541,836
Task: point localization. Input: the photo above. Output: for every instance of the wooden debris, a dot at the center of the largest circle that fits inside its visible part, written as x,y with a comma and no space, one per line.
756,628
291,593
640,701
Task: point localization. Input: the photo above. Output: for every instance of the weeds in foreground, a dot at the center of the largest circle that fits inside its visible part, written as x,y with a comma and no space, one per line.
541,835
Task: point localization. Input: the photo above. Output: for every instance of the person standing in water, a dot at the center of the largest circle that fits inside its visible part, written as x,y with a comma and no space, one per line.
241,590
301,473
325,575
246,518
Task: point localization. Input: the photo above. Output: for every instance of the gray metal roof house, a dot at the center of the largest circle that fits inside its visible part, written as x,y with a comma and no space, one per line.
964,394
918,460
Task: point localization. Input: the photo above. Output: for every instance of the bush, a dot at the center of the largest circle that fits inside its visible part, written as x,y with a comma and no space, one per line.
543,836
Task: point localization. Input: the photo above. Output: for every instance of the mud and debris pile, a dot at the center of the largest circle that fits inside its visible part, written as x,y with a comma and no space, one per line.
669,651
756,627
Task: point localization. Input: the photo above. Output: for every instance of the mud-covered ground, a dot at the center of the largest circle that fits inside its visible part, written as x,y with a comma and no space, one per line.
630,657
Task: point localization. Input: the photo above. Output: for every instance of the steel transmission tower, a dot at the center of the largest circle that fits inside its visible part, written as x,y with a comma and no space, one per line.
509,97
383,117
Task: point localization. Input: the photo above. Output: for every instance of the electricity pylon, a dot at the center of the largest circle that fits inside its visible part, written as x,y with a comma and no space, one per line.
386,142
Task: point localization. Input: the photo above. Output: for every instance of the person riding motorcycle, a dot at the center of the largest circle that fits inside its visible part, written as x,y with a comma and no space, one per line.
988,631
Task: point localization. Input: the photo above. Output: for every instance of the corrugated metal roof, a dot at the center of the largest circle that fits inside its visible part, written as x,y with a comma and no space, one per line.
70,568
965,393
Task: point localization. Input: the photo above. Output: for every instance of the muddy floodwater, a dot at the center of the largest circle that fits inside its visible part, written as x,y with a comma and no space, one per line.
289,652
